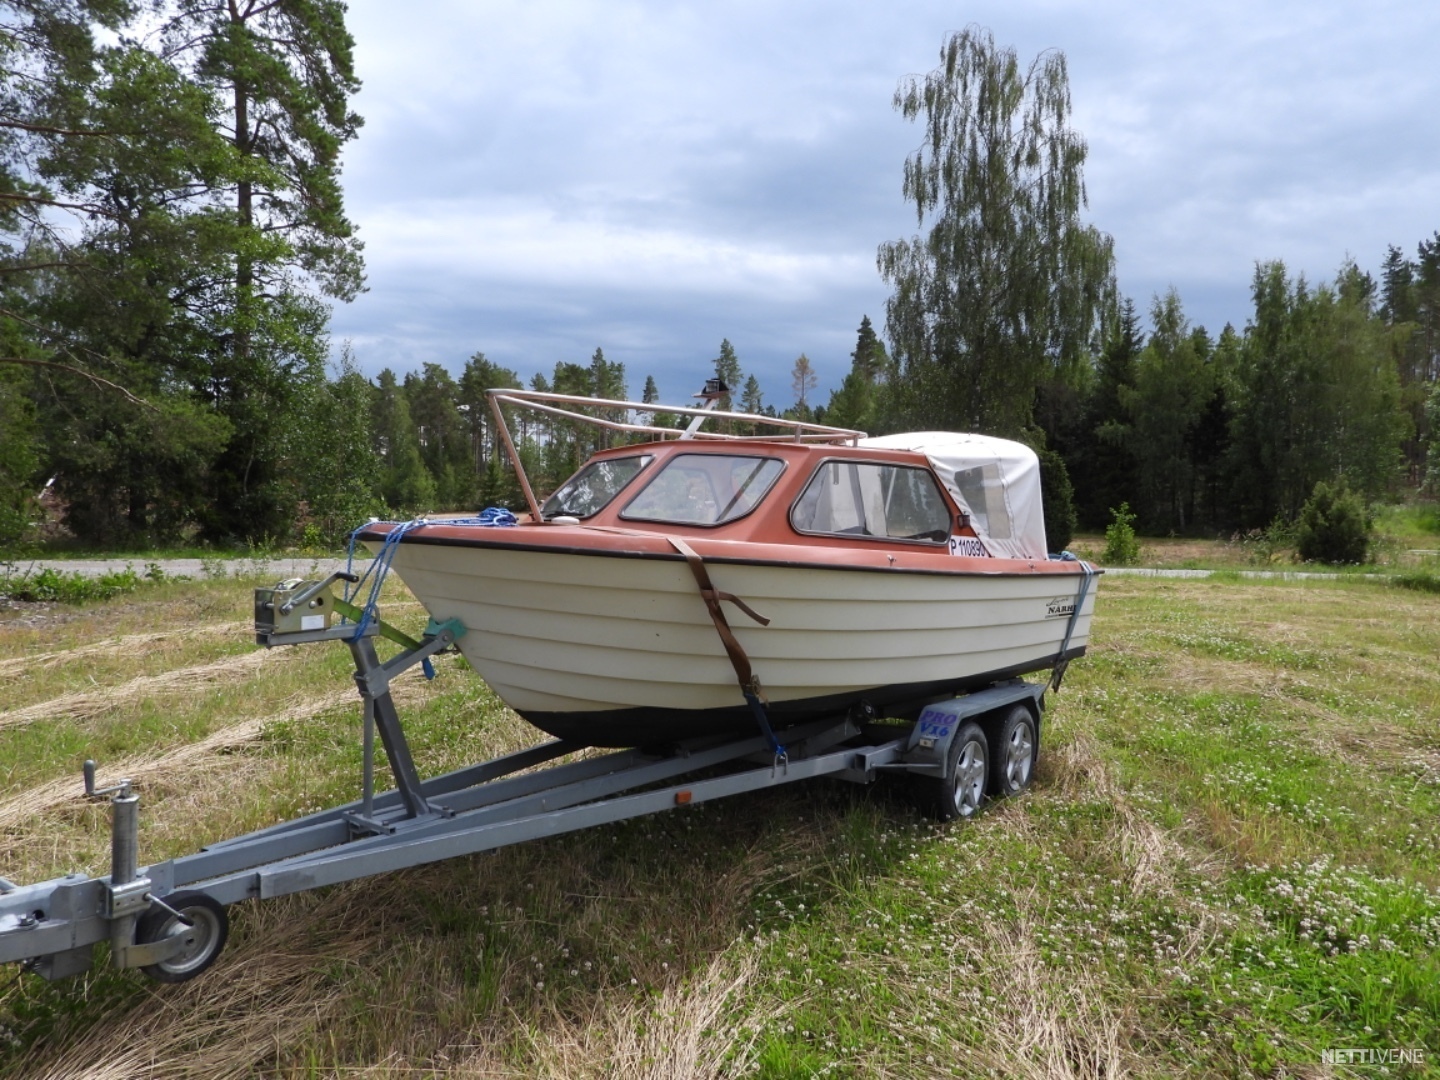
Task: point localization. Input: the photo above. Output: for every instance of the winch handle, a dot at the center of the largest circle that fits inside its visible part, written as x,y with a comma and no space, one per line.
91,792
318,587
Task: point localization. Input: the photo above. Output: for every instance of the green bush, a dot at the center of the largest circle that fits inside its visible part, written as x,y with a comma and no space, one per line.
1121,547
1057,497
1333,526
68,587
1268,545
1420,581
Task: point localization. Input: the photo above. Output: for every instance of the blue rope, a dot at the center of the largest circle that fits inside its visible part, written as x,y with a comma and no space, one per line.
494,516
379,568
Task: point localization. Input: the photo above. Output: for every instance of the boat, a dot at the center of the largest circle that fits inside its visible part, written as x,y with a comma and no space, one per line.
695,581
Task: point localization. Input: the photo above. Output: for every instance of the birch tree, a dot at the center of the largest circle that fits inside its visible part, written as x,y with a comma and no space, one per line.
1005,282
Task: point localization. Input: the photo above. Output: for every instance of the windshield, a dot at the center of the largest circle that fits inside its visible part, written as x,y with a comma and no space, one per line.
705,489
590,490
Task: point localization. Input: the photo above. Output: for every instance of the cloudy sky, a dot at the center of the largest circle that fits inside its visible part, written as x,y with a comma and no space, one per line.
537,178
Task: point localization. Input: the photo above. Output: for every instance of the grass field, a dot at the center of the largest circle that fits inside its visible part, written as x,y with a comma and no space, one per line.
1230,864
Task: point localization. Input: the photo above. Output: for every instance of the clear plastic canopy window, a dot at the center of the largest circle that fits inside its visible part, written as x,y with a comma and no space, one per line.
995,481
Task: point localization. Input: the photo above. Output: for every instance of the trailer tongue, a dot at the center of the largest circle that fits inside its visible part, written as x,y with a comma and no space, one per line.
169,918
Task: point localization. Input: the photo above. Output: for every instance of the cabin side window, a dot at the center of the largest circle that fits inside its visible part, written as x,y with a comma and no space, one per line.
590,490
854,498
704,489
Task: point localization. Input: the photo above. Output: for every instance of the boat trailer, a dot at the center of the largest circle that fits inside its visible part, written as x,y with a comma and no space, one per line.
169,918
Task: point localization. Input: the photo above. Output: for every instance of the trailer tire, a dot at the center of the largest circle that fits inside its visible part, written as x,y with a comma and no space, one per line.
203,940
1014,747
960,793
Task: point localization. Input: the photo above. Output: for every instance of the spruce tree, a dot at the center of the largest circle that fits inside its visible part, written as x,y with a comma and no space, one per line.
1103,468
752,400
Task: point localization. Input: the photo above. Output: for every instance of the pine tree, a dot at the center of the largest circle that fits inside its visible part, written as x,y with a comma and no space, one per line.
1317,396
433,398
406,486
607,380
727,370
279,77
869,358
340,471
802,380
479,376
1432,413
1427,306
198,146
1172,390
1397,289
1410,307
19,462
1103,468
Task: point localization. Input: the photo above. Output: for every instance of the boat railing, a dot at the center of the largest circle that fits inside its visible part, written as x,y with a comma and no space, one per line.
773,428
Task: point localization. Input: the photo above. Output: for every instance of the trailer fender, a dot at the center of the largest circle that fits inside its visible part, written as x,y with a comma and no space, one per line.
928,749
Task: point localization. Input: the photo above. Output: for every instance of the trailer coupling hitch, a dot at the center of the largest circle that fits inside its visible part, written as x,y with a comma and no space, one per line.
161,935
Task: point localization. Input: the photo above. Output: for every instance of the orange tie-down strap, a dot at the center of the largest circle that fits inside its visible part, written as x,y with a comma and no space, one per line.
749,681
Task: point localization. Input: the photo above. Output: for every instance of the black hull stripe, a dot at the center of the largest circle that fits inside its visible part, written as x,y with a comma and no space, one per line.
643,726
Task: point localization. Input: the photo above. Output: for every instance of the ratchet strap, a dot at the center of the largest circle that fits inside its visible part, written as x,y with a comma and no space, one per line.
1087,573
357,615
744,673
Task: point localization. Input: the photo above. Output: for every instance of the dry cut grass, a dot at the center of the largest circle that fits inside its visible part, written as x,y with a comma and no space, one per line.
273,995
193,760
684,1031
186,680
126,645
1134,915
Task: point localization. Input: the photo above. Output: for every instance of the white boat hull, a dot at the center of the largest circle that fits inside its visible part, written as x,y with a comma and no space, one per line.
619,649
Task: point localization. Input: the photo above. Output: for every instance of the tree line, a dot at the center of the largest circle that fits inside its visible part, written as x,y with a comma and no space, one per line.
1004,317
172,229
427,440
1197,434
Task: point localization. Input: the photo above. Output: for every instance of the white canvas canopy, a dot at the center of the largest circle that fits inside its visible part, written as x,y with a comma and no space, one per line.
996,482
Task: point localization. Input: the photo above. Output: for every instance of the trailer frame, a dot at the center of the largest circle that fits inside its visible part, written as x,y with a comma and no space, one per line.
168,918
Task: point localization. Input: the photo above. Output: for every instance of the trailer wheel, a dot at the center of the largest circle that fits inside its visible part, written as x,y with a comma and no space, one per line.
204,938
1012,765
961,791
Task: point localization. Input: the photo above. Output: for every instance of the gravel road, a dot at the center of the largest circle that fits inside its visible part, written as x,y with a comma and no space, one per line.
279,568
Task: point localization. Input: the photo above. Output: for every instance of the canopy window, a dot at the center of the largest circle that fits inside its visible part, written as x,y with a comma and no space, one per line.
995,481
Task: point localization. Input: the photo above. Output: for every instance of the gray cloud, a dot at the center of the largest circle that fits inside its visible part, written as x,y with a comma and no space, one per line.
536,179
